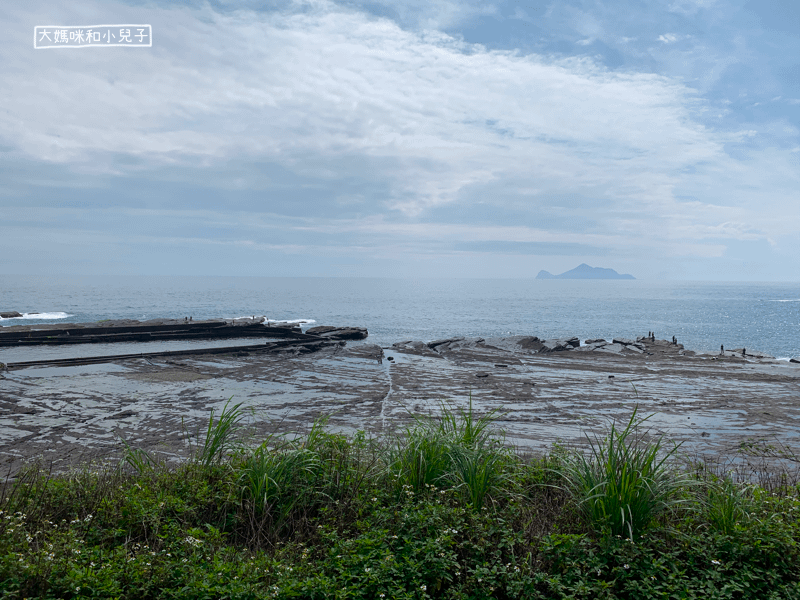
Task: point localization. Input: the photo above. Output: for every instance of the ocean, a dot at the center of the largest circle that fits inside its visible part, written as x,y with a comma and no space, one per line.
756,316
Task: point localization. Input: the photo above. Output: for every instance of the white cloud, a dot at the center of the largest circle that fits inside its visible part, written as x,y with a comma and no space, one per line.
433,116
331,82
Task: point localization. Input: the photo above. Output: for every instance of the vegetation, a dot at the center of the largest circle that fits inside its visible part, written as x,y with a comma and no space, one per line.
442,510
625,482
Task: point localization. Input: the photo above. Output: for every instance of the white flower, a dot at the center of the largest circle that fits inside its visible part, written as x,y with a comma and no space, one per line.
423,587
626,566
715,562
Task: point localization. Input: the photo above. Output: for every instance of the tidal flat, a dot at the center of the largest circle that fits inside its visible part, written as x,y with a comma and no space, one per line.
715,405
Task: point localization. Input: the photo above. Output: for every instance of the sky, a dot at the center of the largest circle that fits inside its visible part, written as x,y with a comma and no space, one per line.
405,138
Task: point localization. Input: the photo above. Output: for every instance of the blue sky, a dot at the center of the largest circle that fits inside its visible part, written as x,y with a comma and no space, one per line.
429,138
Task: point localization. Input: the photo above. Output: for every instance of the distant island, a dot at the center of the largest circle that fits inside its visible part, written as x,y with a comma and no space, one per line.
584,271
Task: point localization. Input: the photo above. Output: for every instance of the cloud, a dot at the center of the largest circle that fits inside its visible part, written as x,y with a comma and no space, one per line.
329,83
369,128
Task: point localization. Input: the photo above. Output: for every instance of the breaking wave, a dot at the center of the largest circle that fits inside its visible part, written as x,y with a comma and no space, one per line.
46,316
293,321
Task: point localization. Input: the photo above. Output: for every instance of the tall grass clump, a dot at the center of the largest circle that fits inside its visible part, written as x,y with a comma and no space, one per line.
727,505
137,458
459,450
287,481
267,475
220,437
624,481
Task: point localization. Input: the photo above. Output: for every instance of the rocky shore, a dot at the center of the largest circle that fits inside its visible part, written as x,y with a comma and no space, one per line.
546,391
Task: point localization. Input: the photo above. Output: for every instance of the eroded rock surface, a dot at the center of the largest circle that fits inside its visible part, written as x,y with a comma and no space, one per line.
712,403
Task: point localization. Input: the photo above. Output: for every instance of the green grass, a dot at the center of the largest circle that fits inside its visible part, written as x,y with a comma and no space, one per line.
625,482
459,450
728,506
442,510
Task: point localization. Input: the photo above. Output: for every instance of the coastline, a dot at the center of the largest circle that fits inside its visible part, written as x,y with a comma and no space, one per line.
545,392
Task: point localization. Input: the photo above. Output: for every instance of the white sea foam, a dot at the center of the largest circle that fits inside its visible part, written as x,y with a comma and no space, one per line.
790,300
298,321
47,316
244,317
268,320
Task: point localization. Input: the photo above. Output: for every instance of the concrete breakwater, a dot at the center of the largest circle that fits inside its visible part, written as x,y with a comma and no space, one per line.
136,331
283,337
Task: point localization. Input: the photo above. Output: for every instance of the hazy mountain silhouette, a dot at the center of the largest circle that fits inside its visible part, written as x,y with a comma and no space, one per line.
584,271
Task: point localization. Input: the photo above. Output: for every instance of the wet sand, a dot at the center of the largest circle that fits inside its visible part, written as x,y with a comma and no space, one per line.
713,404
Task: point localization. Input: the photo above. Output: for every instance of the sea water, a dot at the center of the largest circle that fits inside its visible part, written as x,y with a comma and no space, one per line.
756,316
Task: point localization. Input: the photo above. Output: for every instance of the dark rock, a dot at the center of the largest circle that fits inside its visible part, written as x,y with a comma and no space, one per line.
436,343
458,344
560,345
10,314
531,343
501,365
418,348
794,360
597,341
339,333
481,374
613,348
623,341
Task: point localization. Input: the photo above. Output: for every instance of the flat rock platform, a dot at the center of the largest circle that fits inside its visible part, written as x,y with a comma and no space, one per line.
545,392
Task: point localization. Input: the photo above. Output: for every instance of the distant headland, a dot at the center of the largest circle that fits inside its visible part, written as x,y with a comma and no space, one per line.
584,271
